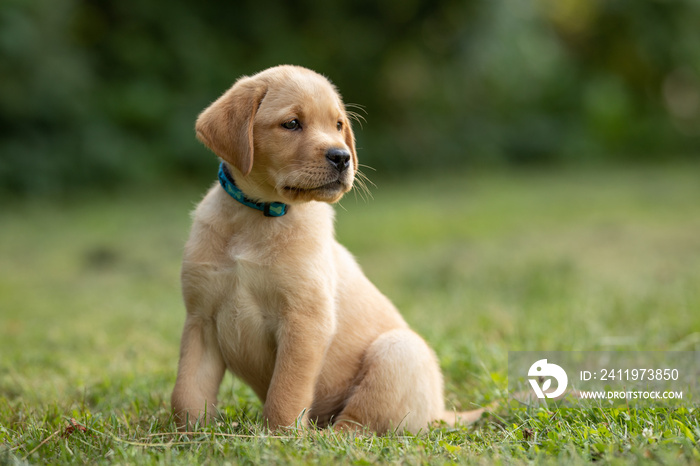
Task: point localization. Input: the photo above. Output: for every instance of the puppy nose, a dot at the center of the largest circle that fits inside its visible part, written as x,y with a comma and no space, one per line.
338,158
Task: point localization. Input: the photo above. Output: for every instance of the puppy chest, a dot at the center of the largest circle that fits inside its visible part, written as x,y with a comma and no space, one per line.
247,342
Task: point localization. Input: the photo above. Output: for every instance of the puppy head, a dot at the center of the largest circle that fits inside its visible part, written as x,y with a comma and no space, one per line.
285,133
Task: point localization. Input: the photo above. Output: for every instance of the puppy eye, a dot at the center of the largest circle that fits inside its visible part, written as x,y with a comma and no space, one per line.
340,126
292,124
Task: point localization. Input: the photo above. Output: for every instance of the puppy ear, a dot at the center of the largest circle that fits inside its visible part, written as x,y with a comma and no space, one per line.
226,126
350,140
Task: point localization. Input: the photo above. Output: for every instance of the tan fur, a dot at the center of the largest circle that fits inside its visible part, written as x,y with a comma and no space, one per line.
278,301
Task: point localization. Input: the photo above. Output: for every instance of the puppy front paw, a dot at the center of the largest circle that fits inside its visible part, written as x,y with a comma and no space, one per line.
279,422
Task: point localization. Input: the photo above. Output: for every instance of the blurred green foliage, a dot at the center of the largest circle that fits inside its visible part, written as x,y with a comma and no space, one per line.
106,92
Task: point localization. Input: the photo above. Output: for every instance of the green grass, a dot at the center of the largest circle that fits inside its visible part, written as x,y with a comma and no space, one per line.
479,263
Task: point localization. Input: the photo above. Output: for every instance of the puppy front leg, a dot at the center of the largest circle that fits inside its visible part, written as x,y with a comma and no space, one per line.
300,352
199,373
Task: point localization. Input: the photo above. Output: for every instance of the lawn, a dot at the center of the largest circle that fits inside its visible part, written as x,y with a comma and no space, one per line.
480,263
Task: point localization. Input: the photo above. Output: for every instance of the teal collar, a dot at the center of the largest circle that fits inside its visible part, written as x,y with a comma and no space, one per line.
269,209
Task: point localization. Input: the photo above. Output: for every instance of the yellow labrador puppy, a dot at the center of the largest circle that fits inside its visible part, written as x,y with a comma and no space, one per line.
271,295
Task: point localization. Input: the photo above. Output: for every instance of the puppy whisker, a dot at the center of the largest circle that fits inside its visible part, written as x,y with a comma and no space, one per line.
340,204
357,106
364,191
356,117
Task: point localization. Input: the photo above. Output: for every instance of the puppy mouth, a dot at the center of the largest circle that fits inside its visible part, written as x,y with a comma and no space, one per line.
333,186
329,192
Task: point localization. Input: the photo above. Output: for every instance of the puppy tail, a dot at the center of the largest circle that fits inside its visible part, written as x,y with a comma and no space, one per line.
453,418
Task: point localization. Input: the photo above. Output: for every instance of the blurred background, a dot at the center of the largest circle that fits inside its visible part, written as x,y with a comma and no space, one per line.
97,94
537,167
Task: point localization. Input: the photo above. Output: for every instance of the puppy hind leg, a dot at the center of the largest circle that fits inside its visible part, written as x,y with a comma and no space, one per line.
399,386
